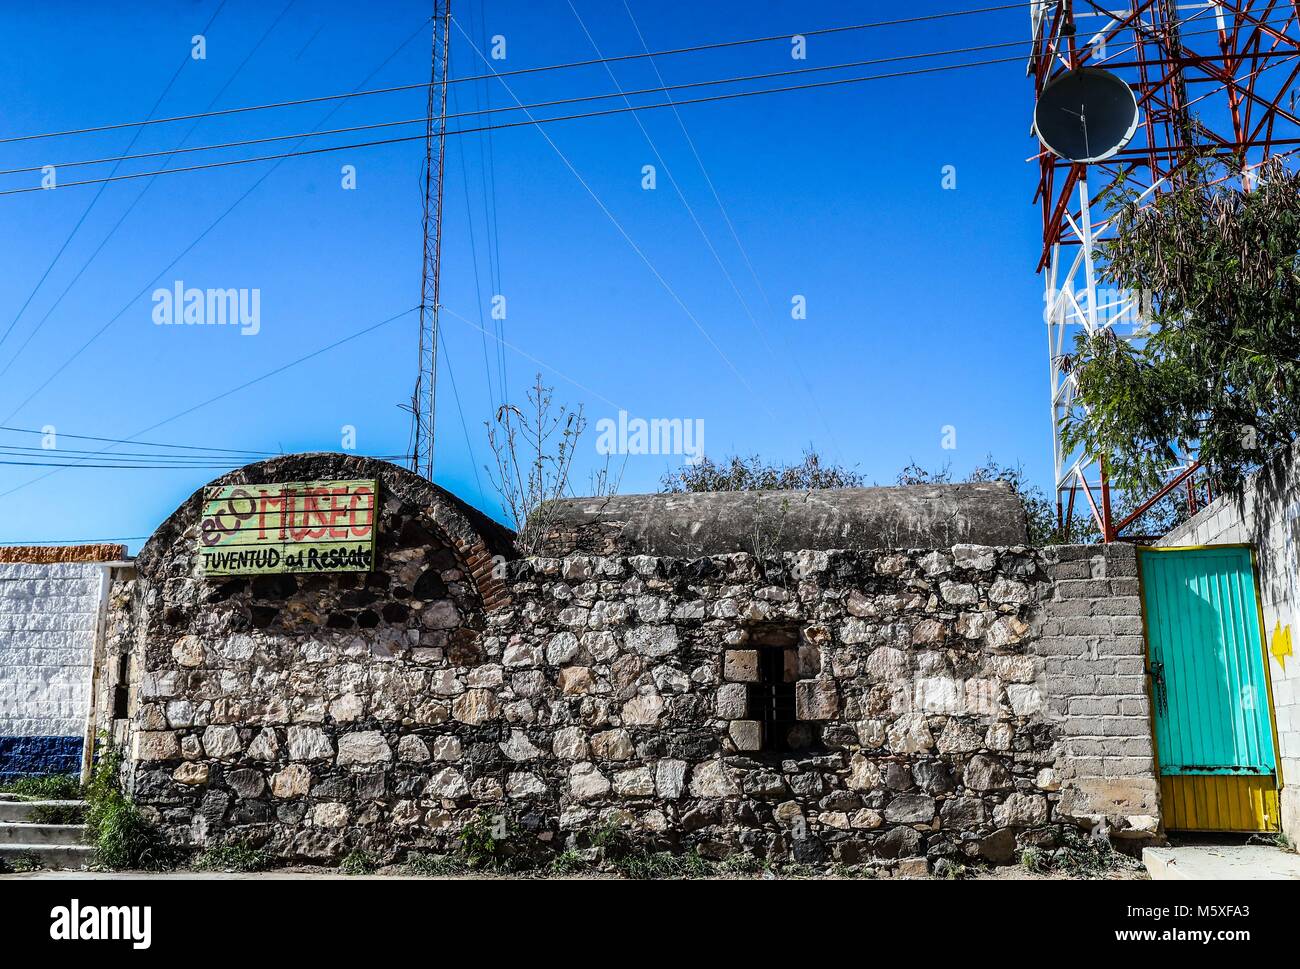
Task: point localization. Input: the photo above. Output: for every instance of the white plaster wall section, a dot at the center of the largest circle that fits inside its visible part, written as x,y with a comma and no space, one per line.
48,620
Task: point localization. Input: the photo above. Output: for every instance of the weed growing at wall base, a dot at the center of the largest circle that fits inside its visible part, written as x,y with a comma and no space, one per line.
1076,856
233,857
358,863
122,835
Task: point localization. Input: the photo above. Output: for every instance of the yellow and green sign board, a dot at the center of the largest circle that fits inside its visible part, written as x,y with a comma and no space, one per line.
301,526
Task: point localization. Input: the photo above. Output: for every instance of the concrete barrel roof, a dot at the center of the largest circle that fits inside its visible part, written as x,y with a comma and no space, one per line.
713,523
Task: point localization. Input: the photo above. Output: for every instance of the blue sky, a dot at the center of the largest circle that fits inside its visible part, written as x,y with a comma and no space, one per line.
923,309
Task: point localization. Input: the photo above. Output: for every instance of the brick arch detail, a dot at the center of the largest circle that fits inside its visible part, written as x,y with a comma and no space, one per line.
477,541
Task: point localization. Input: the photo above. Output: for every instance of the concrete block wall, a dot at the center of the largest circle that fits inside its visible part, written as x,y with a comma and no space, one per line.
1267,516
1090,637
48,619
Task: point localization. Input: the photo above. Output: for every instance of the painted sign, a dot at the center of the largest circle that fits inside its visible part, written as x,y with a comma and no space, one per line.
301,526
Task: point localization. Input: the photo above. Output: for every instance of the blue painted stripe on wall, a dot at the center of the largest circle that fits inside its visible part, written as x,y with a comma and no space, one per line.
27,756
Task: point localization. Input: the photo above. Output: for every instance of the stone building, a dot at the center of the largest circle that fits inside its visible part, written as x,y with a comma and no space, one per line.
822,703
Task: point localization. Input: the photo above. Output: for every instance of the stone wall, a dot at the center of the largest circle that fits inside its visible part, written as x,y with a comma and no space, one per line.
1267,516
929,696
48,619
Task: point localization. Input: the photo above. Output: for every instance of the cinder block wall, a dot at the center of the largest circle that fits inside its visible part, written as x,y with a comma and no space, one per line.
1267,517
48,618
1095,657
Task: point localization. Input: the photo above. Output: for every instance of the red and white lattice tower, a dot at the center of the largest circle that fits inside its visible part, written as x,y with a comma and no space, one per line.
1216,77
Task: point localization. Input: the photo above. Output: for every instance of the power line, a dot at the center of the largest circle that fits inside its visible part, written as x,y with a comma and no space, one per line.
538,122
234,390
478,286
672,179
81,221
520,71
147,466
199,238
143,192
654,271
116,440
735,236
663,88
492,228
125,467
451,374
528,356
161,459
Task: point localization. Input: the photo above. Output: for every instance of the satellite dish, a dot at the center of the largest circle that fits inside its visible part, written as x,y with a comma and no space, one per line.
1086,115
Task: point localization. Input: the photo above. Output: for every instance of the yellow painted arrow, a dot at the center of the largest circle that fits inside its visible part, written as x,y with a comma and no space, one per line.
1281,647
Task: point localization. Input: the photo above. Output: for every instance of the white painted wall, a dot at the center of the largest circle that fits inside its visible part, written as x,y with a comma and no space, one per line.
48,618
1268,518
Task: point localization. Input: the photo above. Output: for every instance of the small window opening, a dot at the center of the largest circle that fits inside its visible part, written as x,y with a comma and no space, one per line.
772,698
120,688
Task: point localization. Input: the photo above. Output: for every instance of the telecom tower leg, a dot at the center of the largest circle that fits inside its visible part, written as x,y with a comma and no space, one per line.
424,400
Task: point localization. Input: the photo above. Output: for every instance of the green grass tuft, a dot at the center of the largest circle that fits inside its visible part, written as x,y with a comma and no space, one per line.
358,863
433,866
740,863
1034,859
51,787
567,863
647,865
1077,856
233,857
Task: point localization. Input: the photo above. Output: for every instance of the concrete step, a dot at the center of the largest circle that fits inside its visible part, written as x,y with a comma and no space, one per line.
48,856
22,810
1222,862
25,833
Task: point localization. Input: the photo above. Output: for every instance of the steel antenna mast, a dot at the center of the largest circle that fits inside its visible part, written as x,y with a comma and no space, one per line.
1208,76
424,400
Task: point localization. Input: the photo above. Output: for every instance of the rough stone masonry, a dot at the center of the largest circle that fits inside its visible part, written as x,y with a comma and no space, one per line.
815,705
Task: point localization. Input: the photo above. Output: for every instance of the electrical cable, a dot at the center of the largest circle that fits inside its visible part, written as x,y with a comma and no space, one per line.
74,541
81,221
735,236
199,238
234,390
541,104
520,71
571,117
649,264
662,89
115,440
143,192
535,122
